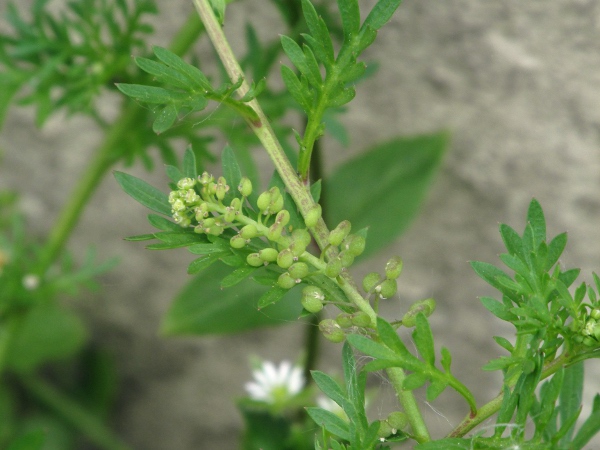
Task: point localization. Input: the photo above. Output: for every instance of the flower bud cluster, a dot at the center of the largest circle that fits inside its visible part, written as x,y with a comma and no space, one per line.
387,286
350,246
589,334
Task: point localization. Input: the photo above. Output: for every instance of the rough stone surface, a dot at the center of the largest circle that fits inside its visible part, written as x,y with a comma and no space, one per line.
516,83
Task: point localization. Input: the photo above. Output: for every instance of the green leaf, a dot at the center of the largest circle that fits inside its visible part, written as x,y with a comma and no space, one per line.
491,274
203,262
384,188
588,430
237,276
350,15
414,381
447,444
193,74
162,223
321,39
424,339
329,387
190,167
273,295
498,309
163,73
555,249
571,397
151,94
504,343
535,217
144,193
435,388
371,348
202,307
512,240
165,119
295,88
46,333
173,173
263,429
381,13
298,58
32,440
330,422
446,359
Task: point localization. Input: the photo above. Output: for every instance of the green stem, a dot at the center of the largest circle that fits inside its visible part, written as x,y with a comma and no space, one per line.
74,414
492,407
104,158
409,403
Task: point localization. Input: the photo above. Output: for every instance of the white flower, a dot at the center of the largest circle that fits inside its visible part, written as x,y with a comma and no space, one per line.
275,385
31,281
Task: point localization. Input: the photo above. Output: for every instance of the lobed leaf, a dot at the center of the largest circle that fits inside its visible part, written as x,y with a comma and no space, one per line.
193,74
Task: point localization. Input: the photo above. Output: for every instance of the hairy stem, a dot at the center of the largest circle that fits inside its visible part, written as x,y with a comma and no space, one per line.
104,158
73,413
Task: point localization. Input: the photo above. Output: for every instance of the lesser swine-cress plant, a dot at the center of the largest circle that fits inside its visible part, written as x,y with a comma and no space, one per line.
266,235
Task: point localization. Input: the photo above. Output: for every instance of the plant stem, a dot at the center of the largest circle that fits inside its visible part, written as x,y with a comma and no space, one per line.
300,194
73,413
409,403
492,407
104,158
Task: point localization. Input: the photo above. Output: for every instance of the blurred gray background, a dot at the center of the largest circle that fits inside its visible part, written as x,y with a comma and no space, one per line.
518,86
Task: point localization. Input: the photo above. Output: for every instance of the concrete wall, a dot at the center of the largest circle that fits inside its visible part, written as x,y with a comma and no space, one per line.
516,83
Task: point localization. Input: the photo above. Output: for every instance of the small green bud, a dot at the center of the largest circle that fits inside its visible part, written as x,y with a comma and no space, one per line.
205,178
393,268
236,204
301,236
312,299
297,248
284,242
313,216
344,320
596,331
331,330
426,307
230,214
387,289
245,187
254,260
237,241
590,342
215,230
339,233
361,319
578,338
385,429
398,420
222,188
370,281
264,200
285,258
276,206
268,254
595,314
346,258
298,270
249,231
186,183
283,217
354,244
274,232
286,281
333,268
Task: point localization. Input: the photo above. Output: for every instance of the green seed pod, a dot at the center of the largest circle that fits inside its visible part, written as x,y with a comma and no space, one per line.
331,330
393,268
237,241
264,200
339,233
229,215
301,236
297,249
222,188
284,242
385,429
298,270
236,204
254,260
311,303
387,289
398,420
370,281
333,268
346,258
595,314
276,205
283,217
268,254
215,230
245,187
285,258
314,291
344,320
249,231
274,232
361,319
313,216
354,244
426,307
286,281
